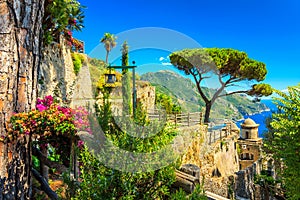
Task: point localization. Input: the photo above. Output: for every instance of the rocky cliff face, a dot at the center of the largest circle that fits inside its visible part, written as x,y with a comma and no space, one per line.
218,162
219,167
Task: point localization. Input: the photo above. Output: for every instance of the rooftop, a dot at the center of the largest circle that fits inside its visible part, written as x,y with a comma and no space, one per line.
249,123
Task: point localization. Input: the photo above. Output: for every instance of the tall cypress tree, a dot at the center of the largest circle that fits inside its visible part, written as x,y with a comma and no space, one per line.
126,94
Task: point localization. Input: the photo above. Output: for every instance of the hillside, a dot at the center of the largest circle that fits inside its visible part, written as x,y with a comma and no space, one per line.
185,92
96,68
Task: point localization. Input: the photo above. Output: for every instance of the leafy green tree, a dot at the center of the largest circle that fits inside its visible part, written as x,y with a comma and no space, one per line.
126,94
285,144
231,66
109,41
167,103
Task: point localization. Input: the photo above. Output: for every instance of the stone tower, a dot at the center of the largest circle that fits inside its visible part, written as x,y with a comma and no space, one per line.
249,143
249,129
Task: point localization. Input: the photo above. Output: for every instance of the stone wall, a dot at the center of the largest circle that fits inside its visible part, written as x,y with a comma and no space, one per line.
57,77
244,182
56,74
145,96
245,187
83,92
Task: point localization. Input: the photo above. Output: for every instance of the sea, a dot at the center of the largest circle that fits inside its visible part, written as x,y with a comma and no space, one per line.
260,118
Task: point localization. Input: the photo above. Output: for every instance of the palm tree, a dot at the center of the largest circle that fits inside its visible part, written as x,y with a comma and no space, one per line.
109,41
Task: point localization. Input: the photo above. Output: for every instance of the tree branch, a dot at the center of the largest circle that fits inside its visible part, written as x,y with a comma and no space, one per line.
46,161
198,86
204,77
44,185
235,92
234,80
231,85
227,83
194,71
220,80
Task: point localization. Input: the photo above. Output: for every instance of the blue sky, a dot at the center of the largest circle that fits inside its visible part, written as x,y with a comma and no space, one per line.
268,30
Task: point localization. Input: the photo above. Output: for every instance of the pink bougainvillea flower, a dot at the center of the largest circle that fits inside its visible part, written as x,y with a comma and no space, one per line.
80,143
48,100
41,107
39,101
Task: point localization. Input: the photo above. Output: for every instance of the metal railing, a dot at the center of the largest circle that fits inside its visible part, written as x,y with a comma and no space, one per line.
179,119
219,131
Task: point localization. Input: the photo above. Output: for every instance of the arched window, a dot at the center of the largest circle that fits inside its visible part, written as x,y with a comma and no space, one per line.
246,156
247,134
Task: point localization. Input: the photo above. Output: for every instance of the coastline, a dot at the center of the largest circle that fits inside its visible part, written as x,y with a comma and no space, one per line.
259,112
251,114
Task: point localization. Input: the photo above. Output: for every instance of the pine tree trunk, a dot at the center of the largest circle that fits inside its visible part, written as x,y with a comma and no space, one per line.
20,36
207,112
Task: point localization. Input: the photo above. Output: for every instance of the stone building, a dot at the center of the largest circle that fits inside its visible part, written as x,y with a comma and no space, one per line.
145,94
250,144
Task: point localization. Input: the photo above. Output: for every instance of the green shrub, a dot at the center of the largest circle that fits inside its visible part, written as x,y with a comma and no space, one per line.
179,195
77,62
102,182
167,103
83,58
197,194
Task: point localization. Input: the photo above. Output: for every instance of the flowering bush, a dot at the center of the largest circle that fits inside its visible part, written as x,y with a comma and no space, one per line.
48,122
77,45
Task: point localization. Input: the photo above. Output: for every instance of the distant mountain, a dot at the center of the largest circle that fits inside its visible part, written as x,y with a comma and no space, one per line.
185,92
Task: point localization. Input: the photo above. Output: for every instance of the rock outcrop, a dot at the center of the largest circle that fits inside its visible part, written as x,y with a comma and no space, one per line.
218,162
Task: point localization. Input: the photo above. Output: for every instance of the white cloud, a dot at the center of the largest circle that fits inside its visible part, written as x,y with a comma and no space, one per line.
166,63
161,58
